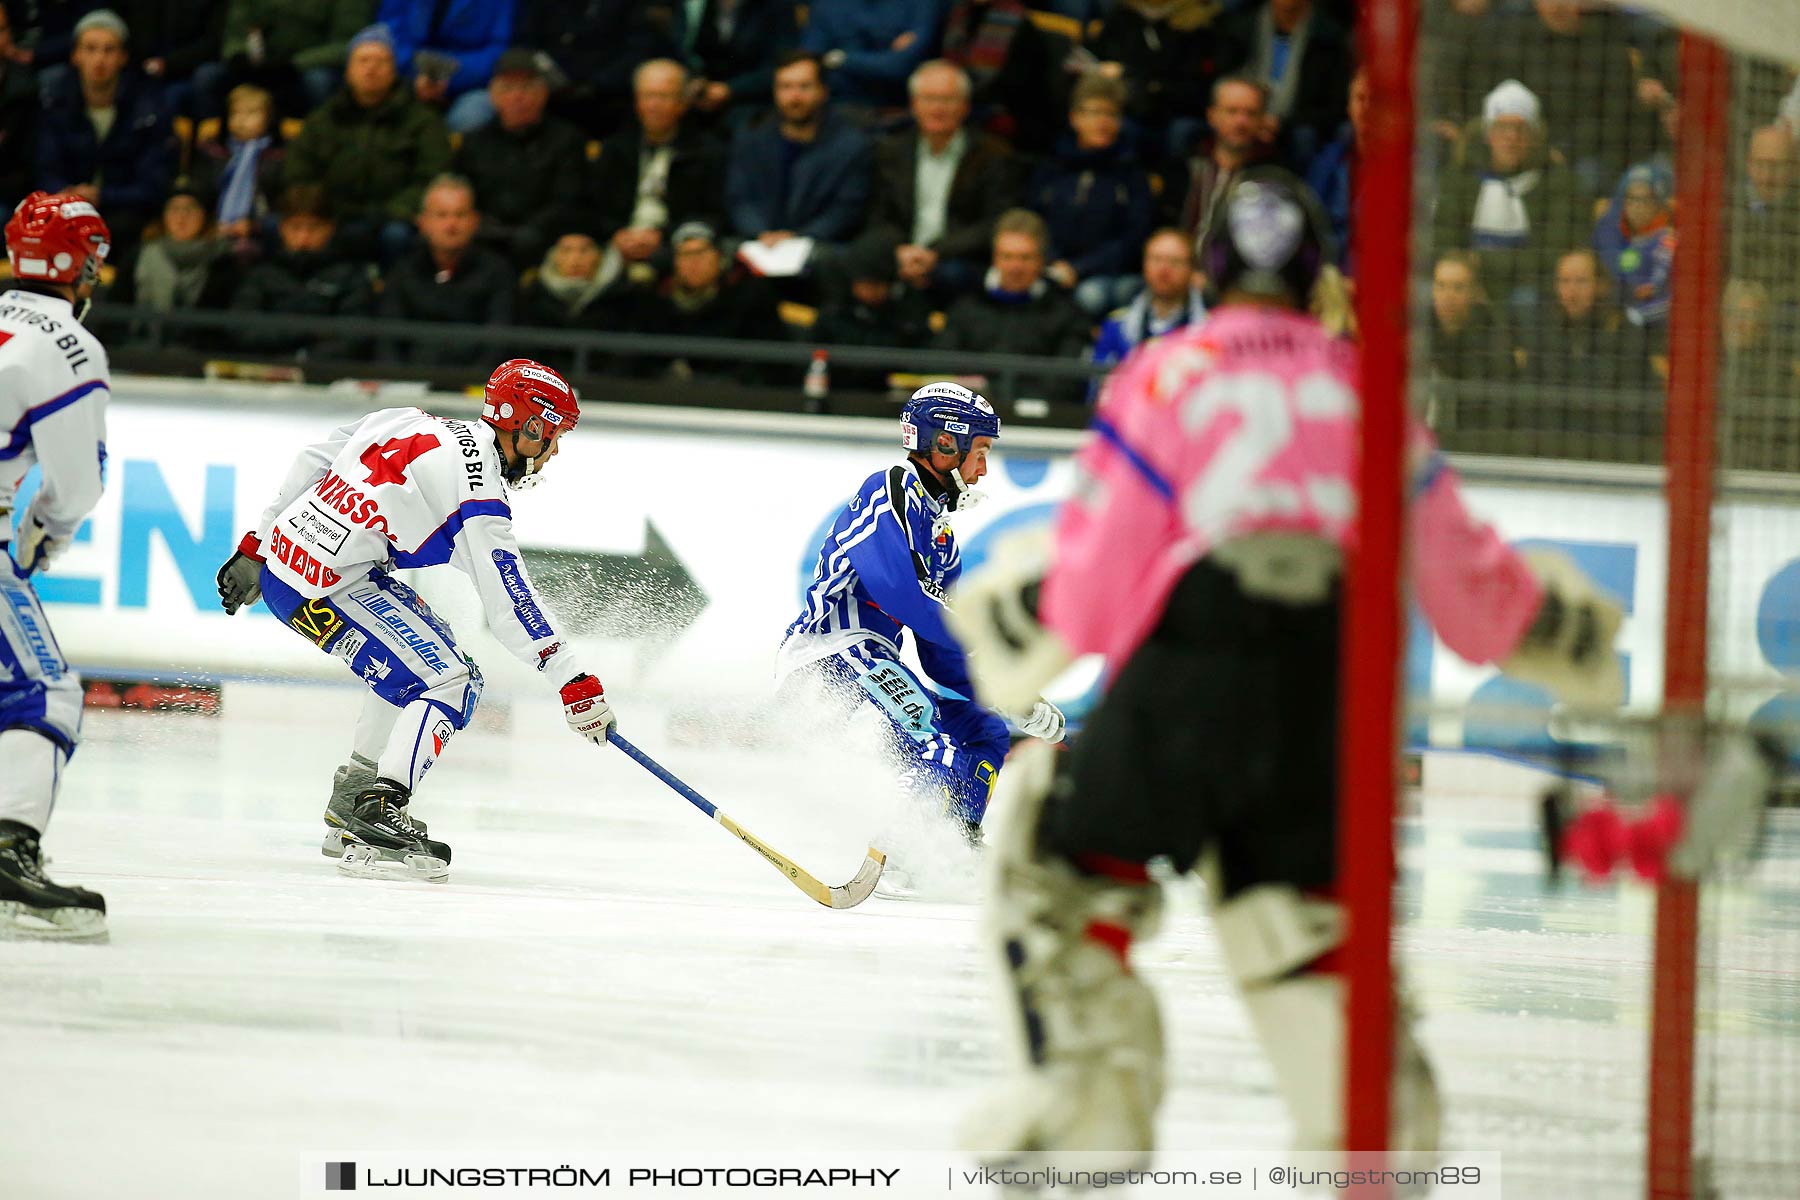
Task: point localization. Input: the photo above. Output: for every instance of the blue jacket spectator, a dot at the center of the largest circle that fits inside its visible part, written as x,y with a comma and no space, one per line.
1095,197
808,172
431,35
1170,299
1636,242
870,47
129,169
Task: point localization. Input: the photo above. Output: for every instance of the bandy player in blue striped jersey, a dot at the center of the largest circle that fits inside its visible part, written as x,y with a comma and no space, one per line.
883,570
401,488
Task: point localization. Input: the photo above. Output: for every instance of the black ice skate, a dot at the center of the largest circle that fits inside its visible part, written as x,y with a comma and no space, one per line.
349,782
31,906
380,843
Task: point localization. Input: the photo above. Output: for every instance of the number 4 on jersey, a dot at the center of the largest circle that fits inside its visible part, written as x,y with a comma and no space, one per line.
387,462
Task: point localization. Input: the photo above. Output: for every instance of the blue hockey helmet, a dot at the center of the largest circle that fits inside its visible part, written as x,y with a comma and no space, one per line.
946,418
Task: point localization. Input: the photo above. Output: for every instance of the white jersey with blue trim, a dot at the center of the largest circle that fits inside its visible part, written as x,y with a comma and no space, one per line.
883,569
53,393
401,488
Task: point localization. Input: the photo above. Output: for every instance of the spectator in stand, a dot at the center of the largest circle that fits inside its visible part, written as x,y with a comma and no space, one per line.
651,178
596,45
1469,343
1236,121
243,169
171,41
1095,197
449,47
104,136
1767,220
940,188
19,116
1166,52
294,51
528,169
1018,311
731,49
869,48
374,147
703,298
1758,364
448,277
805,174
189,265
1511,200
872,307
1333,178
1017,88
306,276
44,37
1635,238
1302,57
1170,300
568,292
1581,341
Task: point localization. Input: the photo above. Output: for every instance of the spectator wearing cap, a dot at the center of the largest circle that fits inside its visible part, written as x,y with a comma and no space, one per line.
940,188
1018,88
1767,215
374,147
869,48
1170,299
731,47
243,168
1017,310
567,292
104,136
1635,238
1511,199
1332,177
1166,52
449,48
705,297
1580,340
661,173
805,174
306,275
20,113
1235,119
189,266
1303,57
871,306
528,167
448,277
1095,197
294,51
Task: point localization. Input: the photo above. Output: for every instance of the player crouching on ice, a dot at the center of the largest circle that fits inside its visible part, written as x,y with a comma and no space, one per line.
884,568
401,488
1201,556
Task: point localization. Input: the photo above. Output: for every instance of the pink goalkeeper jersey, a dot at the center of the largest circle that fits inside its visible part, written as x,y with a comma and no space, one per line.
1246,423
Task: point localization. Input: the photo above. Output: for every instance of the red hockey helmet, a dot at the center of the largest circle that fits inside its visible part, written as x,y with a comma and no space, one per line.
520,389
57,238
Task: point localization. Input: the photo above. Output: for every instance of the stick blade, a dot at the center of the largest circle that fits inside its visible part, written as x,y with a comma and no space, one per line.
851,894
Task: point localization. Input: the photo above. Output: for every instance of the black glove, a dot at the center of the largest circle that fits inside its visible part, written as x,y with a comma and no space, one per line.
240,579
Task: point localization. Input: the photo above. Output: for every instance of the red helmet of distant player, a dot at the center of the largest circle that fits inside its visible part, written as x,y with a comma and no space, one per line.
57,238
533,403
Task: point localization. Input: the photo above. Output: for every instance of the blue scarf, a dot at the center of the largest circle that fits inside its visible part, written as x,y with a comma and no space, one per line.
237,192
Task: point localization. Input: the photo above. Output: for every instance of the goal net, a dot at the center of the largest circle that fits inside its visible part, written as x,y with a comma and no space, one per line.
1576,256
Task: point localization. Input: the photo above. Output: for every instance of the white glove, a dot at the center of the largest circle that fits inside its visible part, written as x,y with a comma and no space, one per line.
36,548
994,615
1045,721
1569,647
586,710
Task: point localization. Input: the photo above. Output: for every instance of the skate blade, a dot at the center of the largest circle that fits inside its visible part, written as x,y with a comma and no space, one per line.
363,861
334,843
22,922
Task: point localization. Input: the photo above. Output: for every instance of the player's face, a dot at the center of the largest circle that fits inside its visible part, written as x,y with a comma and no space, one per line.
974,464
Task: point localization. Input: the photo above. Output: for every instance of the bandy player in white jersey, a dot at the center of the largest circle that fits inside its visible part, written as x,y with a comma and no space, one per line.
53,391
1201,555
401,488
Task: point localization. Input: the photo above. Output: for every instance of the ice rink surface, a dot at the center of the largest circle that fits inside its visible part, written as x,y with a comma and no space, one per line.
605,970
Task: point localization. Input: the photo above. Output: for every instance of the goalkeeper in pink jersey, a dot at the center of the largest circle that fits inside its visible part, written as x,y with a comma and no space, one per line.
1201,555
